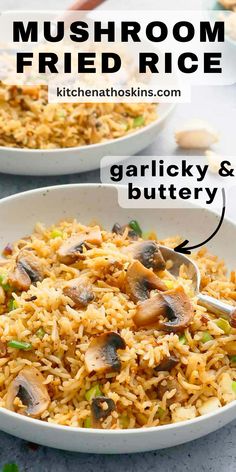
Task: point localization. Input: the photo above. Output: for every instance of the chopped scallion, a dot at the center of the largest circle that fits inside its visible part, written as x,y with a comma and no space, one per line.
93,392
124,420
3,282
182,339
206,337
40,333
87,423
62,114
134,225
169,284
12,304
19,345
145,235
234,386
56,234
232,359
160,412
224,325
138,121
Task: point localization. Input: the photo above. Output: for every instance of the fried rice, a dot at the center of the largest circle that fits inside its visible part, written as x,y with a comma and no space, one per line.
27,120
77,347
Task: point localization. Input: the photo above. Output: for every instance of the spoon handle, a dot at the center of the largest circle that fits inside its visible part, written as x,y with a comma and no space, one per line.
215,306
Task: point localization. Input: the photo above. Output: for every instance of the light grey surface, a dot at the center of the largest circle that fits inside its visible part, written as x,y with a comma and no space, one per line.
213,453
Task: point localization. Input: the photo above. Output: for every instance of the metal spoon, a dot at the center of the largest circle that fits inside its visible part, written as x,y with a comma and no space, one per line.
215,306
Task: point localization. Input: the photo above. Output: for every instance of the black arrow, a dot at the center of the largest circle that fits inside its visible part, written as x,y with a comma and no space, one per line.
187,250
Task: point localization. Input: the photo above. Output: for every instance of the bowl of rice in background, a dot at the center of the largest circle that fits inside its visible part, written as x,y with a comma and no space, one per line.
224,10
38,138
80,370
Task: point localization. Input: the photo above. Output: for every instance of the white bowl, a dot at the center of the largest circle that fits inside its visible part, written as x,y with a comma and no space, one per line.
83,158
19,213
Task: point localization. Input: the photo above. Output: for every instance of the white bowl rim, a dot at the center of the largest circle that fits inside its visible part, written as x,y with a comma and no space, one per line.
92,431
105,144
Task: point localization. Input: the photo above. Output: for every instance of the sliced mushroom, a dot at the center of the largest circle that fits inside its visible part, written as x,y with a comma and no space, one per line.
173,304
29,387
148,253
118,229
149,311
179,310
141,280
102,356
19,278
167,385
72,248
80,291
101,408
29,269
167,364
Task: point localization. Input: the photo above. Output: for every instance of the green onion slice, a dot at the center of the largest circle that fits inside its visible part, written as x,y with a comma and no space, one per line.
182,339
3,282
12,304
206,337
224,325
234,386
56,234
40,333
134,225
93,392
138,121
160,412
19,345
88,422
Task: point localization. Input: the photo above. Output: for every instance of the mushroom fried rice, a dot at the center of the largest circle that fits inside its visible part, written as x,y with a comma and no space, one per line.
96,332
27,120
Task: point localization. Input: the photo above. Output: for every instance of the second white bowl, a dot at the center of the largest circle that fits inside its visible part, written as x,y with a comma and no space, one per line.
83,158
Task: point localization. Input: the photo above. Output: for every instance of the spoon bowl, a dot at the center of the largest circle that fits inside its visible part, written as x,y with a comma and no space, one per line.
218,307
178,260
